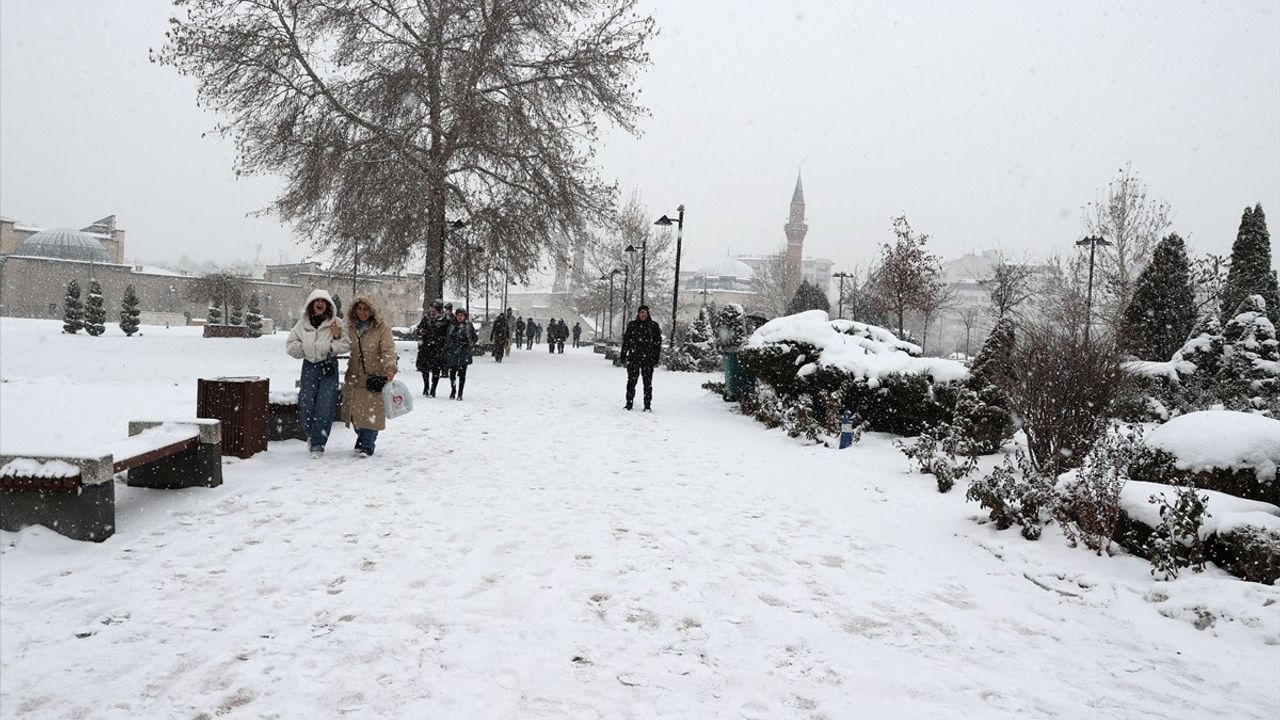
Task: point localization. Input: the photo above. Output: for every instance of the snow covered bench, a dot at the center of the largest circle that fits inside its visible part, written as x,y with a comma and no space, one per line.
75,495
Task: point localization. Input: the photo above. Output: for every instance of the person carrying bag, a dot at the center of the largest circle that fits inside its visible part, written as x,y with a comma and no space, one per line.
317,339
373,364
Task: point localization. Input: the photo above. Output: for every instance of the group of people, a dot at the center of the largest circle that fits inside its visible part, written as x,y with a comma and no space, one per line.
318,339
446,340
446,343
511,330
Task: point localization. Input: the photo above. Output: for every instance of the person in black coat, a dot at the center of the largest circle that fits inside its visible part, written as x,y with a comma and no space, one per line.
460,337
562,334
498,335
553,331
641,350
430,361
577,333
530,328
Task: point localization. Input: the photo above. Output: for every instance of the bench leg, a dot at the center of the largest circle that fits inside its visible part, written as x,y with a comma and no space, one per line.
89,513
200,467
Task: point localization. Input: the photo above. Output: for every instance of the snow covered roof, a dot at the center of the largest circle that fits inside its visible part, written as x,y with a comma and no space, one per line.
66,244
864,350
728,267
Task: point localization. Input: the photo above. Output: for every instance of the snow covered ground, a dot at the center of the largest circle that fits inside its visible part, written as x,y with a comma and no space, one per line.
537,552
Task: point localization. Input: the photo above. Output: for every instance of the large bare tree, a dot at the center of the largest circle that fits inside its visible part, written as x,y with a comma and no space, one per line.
1132,222
773,284
1009,286
906,275
388,117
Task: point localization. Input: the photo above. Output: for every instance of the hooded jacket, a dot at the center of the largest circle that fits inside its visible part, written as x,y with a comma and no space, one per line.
373,353
316,344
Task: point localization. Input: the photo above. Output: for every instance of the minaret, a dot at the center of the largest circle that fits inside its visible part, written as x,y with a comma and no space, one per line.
795,230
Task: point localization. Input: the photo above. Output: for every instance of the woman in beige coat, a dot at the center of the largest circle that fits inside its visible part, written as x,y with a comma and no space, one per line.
373,352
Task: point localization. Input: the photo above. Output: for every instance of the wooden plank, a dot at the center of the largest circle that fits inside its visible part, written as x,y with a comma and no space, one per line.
126,463
56,484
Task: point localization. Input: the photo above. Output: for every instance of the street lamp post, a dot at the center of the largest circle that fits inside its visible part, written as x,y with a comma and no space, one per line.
1093,242
626,293
675,288
840,298
609,277
644,250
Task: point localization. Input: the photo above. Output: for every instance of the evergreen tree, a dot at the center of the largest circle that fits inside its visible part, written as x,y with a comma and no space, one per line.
1250,272
731,332
1250,366
982,408
72,309
129,312
1161,315
213,316
808,297
237,314
253,319
95,313
1204,350
994,363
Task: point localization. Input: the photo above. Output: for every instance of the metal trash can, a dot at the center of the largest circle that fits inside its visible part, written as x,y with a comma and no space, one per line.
736,379
240,403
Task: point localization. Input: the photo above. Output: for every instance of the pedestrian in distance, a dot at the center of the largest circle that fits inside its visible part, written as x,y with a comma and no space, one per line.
537,333
317,340
519,333
498,336
373,356
577,333
553,331
459,343
530,328
562,334
641,350
430,361
511,329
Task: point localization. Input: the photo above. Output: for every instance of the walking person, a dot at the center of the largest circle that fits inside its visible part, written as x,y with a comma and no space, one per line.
553,330
511,329
577,333
529,329
498,336
537,334
430,361
562,334
641,350
460,340
373,356
317,340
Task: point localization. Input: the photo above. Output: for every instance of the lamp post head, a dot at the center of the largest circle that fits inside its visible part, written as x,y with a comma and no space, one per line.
1092,240
458,224
664,221
630,249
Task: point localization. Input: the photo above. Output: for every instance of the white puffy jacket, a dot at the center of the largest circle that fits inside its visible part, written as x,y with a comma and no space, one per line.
316,343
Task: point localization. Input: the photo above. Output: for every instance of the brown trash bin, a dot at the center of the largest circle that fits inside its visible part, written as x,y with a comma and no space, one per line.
241,404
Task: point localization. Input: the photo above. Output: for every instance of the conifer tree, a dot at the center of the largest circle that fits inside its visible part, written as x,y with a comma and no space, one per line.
72,309
237,314
1161,314
731,330
1204,350
1251,272
1250,367
213,316
253,318
984,404
95,313
129,312
808,297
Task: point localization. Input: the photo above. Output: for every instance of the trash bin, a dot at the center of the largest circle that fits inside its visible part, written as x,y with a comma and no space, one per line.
736,379
240,404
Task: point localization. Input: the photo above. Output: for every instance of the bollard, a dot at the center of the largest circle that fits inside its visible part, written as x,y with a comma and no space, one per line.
846,429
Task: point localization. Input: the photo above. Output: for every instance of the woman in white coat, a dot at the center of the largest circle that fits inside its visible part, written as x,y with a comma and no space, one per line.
318,340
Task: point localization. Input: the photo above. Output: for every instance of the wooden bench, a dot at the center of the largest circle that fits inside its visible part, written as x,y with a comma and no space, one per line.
75,495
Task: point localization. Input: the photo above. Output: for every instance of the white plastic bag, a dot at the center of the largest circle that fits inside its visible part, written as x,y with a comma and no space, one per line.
396,399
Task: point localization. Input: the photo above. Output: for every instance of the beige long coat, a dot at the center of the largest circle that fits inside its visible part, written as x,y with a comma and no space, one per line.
362,408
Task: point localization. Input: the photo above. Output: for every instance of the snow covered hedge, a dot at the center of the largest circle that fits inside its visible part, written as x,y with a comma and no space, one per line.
813,367
1223,450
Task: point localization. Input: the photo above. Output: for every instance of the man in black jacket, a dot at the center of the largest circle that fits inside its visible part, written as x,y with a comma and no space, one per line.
641,350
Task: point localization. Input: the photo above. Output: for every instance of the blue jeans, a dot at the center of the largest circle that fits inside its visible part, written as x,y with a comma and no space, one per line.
317,400
366,438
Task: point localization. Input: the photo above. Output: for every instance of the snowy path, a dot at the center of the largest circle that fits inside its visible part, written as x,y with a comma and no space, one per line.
537,552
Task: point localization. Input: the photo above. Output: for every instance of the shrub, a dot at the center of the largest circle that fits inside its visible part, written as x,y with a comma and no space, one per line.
1063,390
72,309
940,451
253,318
95,313
1248,552
1089,510
129,312
1016,495
1175,543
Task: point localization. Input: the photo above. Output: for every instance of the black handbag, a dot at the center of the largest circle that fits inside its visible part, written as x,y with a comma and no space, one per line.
372,383
328,366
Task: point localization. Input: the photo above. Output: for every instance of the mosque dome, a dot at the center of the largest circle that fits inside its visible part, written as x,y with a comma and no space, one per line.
728,268
65,244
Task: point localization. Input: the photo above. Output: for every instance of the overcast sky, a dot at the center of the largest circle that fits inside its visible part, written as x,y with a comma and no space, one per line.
987,123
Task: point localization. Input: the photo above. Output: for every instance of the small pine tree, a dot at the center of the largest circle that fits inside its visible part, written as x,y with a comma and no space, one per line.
808,297
731,332
213,316
72,309
1162,312
237,314
95,313
983,410
1251,351
253,318
129,312
1251,272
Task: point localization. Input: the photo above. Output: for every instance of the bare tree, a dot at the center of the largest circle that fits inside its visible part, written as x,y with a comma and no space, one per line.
773,287
859,296
385,116
1010,285
1133,223
906,273
936,297
969,316
1065,293
1209,276
222,288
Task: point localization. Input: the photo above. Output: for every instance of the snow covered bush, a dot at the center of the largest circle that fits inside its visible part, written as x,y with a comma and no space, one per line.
1016,493
237,314
984,404
95,312
72,309
129,312
1249,552
213,316
1227,451
253,318
941,451
1088,510
1175,542
842,364
731,327
697,351
1062,391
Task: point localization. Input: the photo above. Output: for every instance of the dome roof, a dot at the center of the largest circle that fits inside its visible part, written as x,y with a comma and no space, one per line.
728,267
65,244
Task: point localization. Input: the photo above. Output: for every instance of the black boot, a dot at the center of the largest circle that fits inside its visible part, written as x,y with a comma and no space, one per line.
435,380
